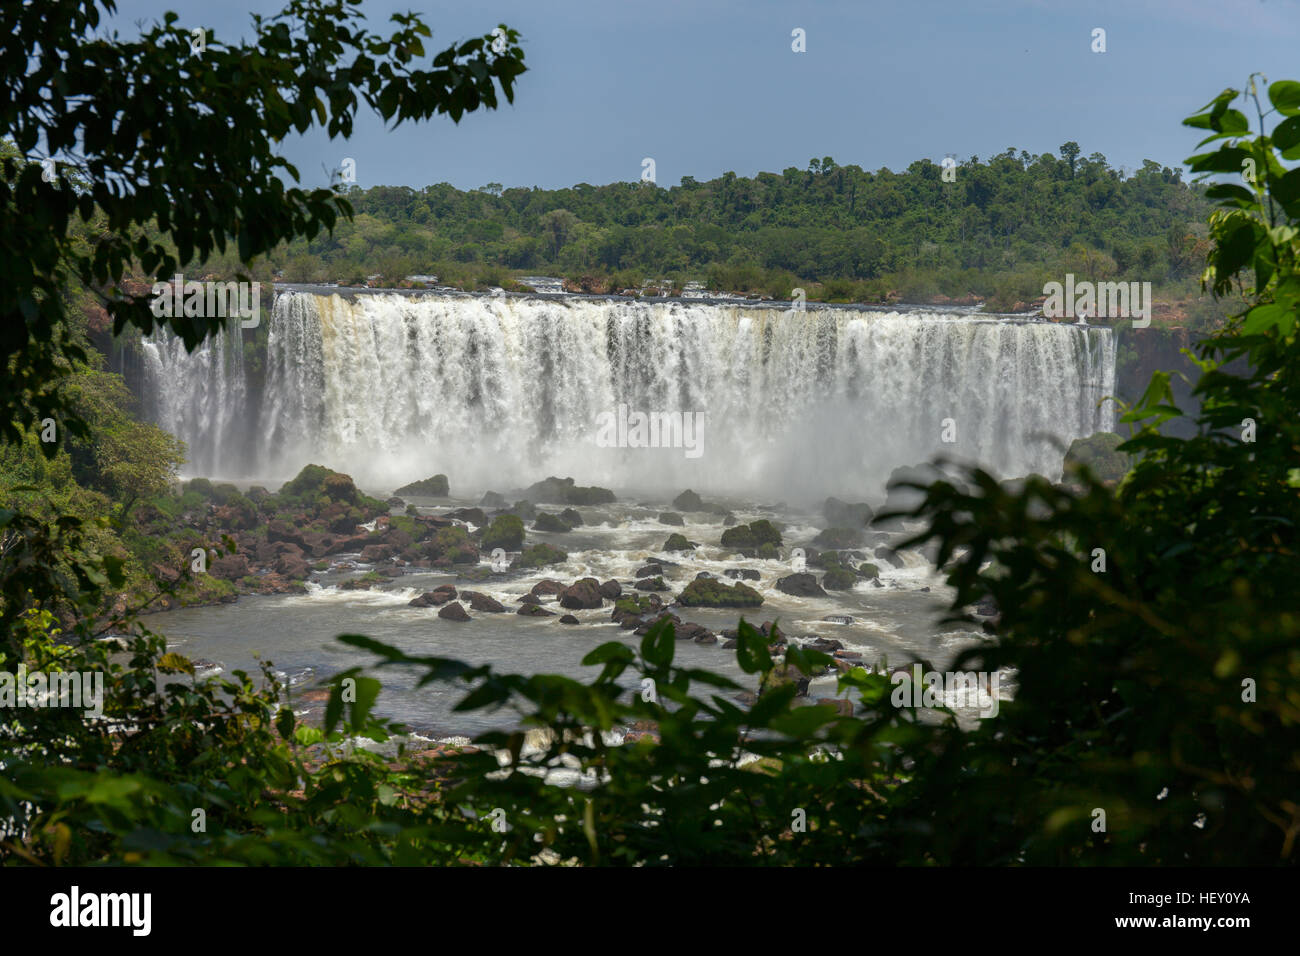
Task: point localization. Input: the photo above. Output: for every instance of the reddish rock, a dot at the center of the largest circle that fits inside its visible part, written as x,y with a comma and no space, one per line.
453,612
582,595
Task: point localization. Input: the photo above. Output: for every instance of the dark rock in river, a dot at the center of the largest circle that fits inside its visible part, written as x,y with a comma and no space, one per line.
677,542
649,571
482,602
493,501
453,612
569,619
672,518
839,579
688,501
534,610
713,593
800,585
841,514
539,555
652,584
611,589
439,595
548,522
571,517
583,594
548,586
742,574
474,516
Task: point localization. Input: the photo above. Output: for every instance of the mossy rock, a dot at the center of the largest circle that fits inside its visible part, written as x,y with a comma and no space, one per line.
768,551
222,493
454,544
765,532
538,556
677,542
868,570
710,592
1099,453
747,537
432,487
199,486
839,579
571,517
506,531
739,537
688,501
839,538
548,522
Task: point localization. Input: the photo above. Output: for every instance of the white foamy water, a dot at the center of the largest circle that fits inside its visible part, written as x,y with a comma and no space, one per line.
498,391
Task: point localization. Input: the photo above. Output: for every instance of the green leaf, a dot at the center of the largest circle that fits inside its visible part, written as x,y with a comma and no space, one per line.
658,645
1285,97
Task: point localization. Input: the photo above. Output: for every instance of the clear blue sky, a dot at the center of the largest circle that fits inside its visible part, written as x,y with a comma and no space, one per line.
706,86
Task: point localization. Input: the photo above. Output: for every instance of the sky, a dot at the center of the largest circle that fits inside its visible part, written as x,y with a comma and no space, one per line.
708,86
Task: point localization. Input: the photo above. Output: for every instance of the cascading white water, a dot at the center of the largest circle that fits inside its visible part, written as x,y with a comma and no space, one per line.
201,397
498,392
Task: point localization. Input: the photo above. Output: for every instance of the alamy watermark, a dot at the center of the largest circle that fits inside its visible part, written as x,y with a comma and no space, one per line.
208,300
624,429
947,689
1105,300
37,689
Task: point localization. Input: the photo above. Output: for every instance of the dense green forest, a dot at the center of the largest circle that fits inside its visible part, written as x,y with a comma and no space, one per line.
997,231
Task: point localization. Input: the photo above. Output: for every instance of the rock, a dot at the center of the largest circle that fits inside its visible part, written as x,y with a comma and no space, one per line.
583,594
481,602
569,619
538,556
474,516
528,599
666,616
571,517
548,586
564,491
439,595
841,514
713,593
506,531
611,589
891,556
230,567
434,487
838,619
800,585
868,570
677,542
493,500
705,638
839,538
672,518
549,522
688,501
292,567
534,610
453,612
746,537
986,606
170,575
629,609
742,574
281,530
525,510
651,584
373,553
649,571
728,520
839,579
825,645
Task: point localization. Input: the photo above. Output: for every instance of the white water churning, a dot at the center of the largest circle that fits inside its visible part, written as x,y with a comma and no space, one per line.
497,392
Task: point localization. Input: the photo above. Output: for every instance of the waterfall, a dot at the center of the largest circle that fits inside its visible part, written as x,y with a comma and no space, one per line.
201,397
497,392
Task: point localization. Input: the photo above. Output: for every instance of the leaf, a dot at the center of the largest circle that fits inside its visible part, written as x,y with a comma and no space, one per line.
1264,317
1285,97
284,722
751,649
658,645
1286,137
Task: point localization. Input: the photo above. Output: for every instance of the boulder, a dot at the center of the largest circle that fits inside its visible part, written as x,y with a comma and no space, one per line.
841,514
493,500
481,602
839,579
649,571
534,610
800,585
548,522
453,612
571,517
839,538
281,530
713,593
506,531
548,586
677,542
538,556
651,584
742,574
569,619
230,567
672,518
583,594
688,501
611,589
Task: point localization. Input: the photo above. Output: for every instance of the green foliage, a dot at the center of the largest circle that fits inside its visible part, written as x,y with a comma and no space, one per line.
505,531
